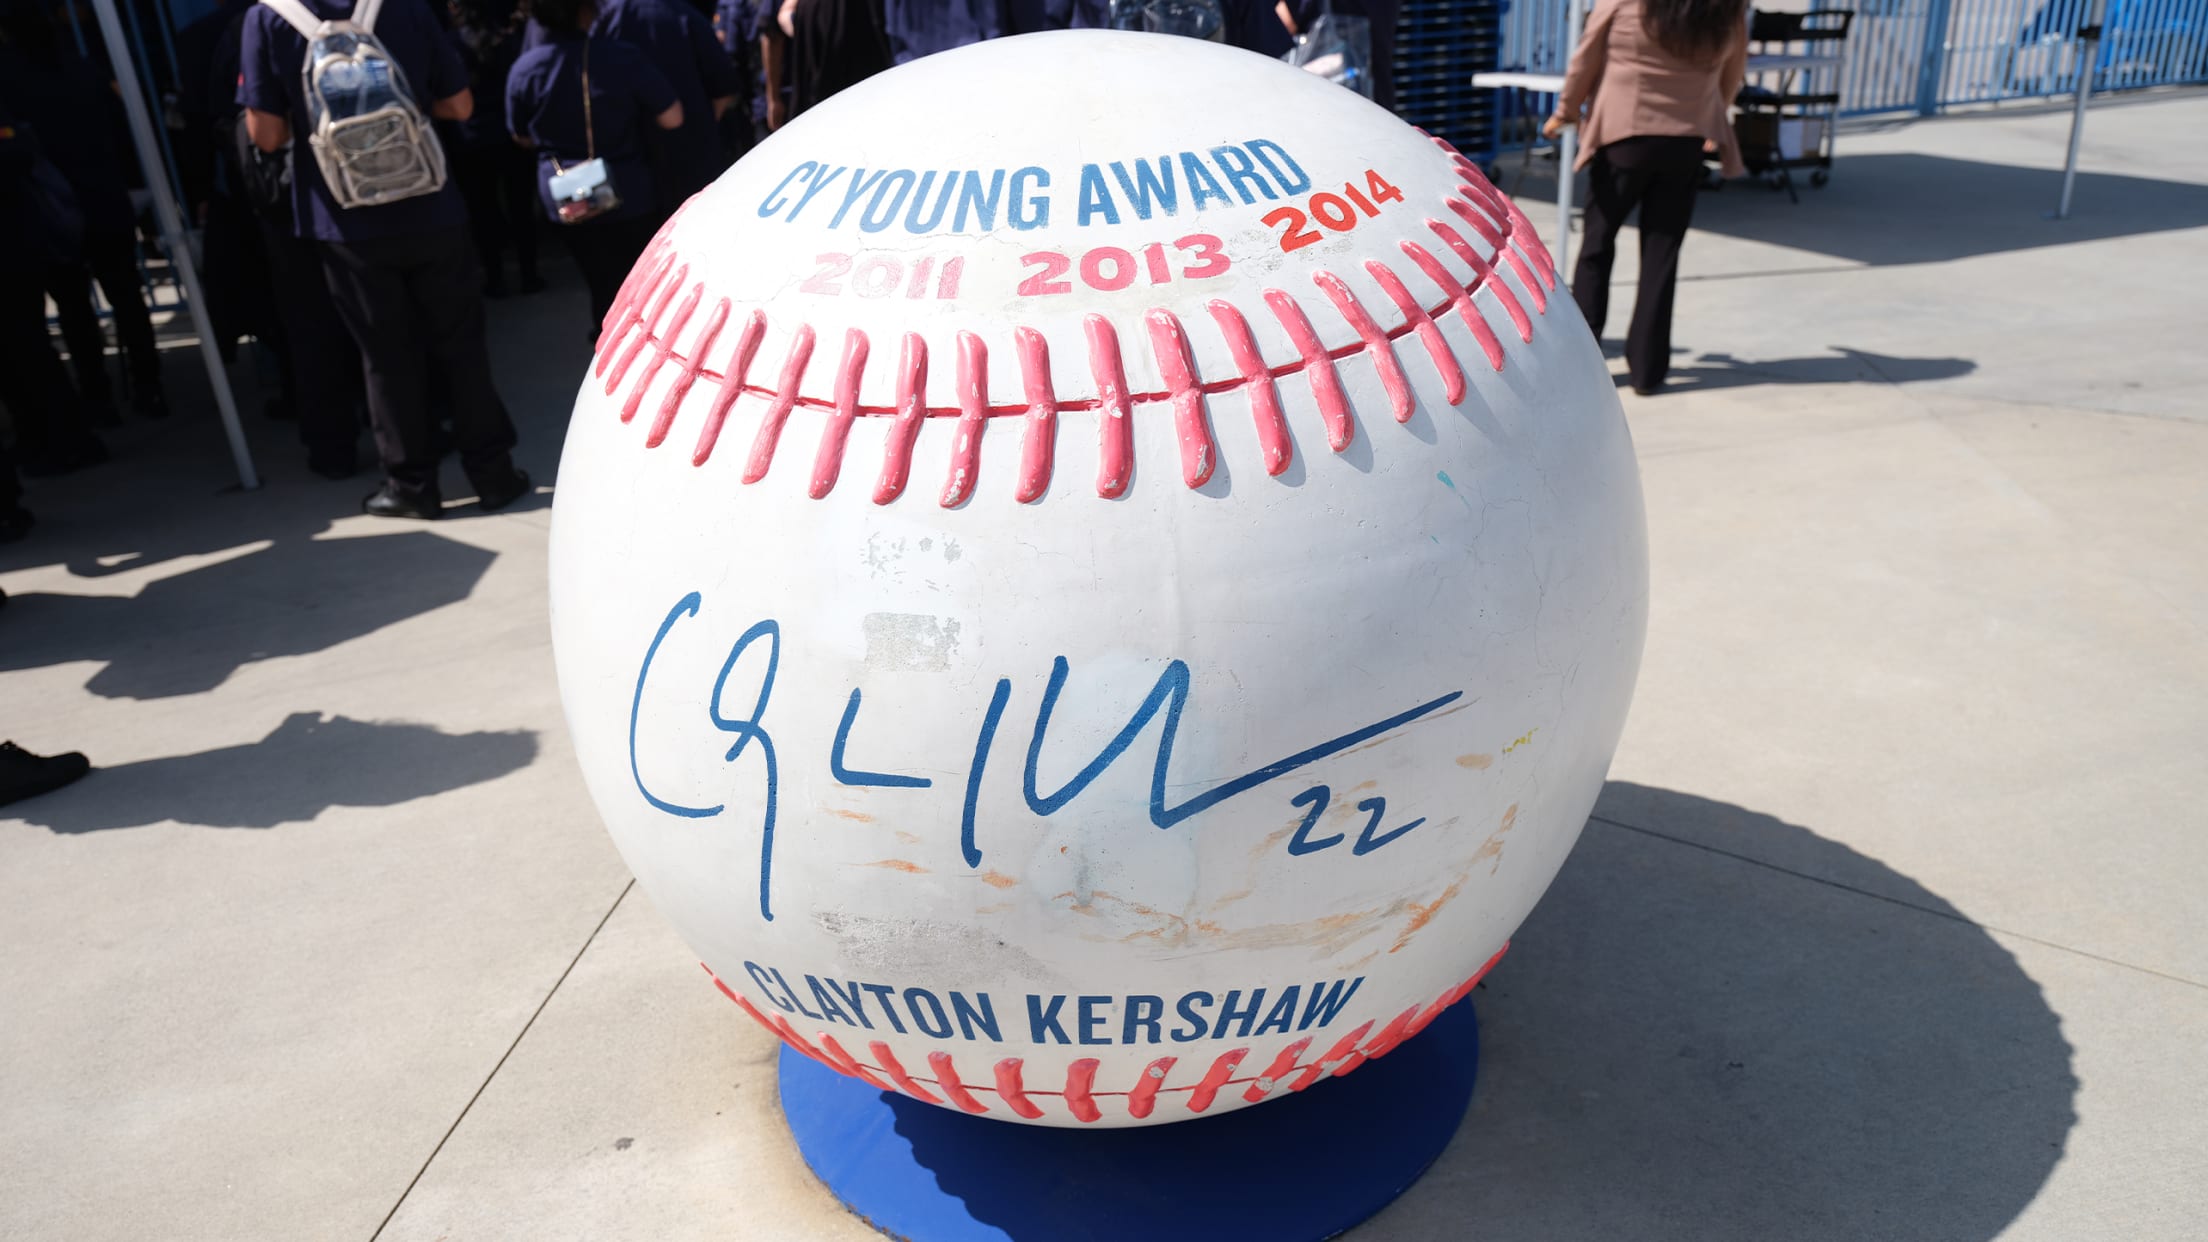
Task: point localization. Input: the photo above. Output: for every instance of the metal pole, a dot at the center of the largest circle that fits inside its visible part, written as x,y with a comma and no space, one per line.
172,231
1567,151
2089,53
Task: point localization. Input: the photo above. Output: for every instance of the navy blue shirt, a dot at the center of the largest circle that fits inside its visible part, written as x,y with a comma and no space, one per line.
679,42
80,126
271,58
544,103
919,28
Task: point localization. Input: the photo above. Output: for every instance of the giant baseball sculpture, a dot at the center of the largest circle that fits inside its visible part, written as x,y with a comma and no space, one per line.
1096,578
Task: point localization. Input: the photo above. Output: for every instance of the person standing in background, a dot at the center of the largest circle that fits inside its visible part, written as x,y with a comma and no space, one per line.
403,274
1655,78
80,124
497,178
577,96
679,43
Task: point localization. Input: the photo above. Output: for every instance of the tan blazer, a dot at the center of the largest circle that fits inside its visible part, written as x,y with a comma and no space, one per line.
1631,86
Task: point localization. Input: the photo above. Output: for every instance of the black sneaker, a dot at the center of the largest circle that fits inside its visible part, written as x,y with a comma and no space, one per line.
389,501
25,775
506,491
14,524
335,464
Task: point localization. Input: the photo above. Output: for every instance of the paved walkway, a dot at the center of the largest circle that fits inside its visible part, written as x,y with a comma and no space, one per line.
1889,925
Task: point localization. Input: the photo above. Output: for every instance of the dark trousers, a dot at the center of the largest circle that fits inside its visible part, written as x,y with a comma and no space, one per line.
48,418
1659,175
605,250
408,301
112,260
500,186
315,356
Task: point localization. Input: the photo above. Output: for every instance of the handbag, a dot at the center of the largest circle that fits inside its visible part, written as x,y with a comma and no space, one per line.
584,192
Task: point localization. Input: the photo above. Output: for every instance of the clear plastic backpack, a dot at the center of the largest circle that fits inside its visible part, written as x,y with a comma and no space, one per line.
371,140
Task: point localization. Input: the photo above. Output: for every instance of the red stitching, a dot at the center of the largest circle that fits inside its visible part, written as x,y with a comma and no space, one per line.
912,408
1115,435
657,303
1145,1095
1378,345
828,461
1318,367
896,1071
1010,1091
732,384
973,415
1177,365
1257,380
1430,265
946,1076
1080,1095
1080,1076
1214,1078
778,411
1429,334
1040,438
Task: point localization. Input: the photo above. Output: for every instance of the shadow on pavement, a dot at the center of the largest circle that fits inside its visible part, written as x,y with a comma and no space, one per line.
1886,209
1841,366
1688,1045
189,632
308,764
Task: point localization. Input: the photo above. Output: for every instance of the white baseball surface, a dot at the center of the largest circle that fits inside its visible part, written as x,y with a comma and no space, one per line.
1096,578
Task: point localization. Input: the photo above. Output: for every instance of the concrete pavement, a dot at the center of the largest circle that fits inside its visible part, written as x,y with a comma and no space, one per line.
1889,924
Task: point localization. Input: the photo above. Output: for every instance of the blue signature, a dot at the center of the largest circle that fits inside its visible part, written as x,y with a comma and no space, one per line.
1169,695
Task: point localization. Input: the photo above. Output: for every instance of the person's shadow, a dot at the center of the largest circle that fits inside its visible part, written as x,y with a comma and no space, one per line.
1840,366
1685,1044
189,632
305,765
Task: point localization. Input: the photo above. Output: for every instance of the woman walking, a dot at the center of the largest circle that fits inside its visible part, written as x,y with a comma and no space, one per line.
583,102
1655,79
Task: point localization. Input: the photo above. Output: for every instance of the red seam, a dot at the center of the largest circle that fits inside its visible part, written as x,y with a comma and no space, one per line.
653,285
973,415
1177,367
1080,1094
778,411
1429,333
1039,439
1115,433
1379,346
946,1077
1276,1071
896,1071
1080,1076
836,432
1145,1095
1318,367
1468,314
912,408
1257,380
1010,1091
731,384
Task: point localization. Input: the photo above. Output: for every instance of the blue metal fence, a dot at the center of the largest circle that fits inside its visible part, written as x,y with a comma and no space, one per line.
1925,55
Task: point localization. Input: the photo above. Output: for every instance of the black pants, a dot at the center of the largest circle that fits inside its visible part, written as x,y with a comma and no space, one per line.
408,301
1660,175
315,356
48,418
112,260
606,250
500,186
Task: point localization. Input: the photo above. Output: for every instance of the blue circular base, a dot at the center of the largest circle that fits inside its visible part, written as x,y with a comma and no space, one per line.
1296,1168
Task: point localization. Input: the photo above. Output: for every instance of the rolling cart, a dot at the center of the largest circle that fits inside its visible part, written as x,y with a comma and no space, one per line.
1785,120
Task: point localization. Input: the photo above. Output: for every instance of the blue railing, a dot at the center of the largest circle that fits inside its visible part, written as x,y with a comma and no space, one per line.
1925,55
